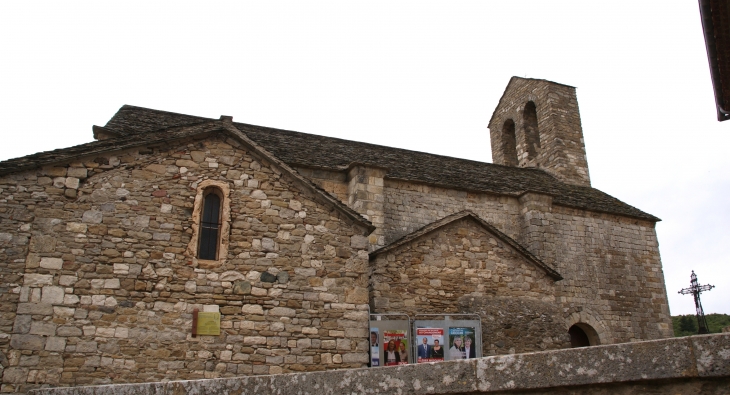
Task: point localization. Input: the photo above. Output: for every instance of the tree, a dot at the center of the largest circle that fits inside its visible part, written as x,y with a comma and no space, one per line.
688,323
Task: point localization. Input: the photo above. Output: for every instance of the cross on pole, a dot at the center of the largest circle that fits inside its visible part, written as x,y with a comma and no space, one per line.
695,289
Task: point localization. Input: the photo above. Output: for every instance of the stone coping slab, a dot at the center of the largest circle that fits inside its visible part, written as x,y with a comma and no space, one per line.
706,356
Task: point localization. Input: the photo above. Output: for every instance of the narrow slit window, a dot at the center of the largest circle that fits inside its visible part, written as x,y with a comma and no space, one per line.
210,226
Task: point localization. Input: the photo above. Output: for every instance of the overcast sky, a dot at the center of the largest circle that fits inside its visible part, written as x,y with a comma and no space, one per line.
419,75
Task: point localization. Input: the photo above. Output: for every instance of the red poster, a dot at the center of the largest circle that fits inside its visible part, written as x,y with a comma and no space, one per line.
396,348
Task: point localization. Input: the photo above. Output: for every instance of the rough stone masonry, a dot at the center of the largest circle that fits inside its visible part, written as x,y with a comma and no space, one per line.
100,270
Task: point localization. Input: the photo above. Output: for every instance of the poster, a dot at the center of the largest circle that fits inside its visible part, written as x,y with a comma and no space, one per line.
461,342
396,348
430,343
374,347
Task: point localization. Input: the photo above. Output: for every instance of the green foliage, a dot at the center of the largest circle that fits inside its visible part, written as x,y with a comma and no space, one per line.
686,325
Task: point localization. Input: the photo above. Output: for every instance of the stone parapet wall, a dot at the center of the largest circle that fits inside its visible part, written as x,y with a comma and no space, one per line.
100,282
697,364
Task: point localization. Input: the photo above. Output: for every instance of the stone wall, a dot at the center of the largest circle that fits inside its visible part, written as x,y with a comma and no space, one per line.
517,325
334,182
410,206
613,274
461,267
611,264
689,365
98,285
365,195
430,274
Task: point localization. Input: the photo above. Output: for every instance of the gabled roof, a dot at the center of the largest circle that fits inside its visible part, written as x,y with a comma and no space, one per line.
306,150
122,142
466,214
169,134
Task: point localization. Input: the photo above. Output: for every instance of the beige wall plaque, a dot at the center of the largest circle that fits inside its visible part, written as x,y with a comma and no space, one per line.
209,324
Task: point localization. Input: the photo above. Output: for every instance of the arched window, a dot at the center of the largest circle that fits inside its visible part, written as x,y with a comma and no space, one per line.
509,143
529,126
210,225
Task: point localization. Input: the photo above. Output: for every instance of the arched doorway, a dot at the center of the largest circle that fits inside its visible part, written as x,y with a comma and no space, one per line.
583,335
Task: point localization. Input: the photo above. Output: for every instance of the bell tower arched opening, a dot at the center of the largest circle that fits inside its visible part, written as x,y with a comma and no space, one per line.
529,127
509,143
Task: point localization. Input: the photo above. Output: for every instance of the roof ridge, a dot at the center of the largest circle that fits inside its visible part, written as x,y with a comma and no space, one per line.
373,145
145,120
131,106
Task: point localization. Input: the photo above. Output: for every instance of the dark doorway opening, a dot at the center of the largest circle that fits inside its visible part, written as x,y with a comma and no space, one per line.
578,338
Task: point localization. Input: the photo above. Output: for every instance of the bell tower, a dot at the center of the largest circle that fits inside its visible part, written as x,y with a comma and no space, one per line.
537,124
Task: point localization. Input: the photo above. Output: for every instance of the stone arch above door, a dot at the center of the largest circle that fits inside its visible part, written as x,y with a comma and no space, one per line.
585,317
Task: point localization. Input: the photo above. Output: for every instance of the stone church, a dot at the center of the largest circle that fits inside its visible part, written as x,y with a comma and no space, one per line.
109,249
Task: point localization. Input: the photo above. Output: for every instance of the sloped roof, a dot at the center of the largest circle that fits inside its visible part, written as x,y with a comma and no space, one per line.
301,149
132,120
124,141
306,150
175,132
436,225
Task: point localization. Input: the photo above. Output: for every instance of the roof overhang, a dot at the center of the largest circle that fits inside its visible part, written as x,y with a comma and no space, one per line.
715,16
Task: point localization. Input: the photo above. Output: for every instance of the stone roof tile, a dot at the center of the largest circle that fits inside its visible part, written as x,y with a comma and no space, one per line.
132,120
95,147
301,149
306,150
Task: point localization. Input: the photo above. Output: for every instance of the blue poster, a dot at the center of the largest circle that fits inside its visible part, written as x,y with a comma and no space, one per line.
374,347
461,343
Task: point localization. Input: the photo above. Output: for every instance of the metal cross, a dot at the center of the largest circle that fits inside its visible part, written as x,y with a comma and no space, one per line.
695,289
